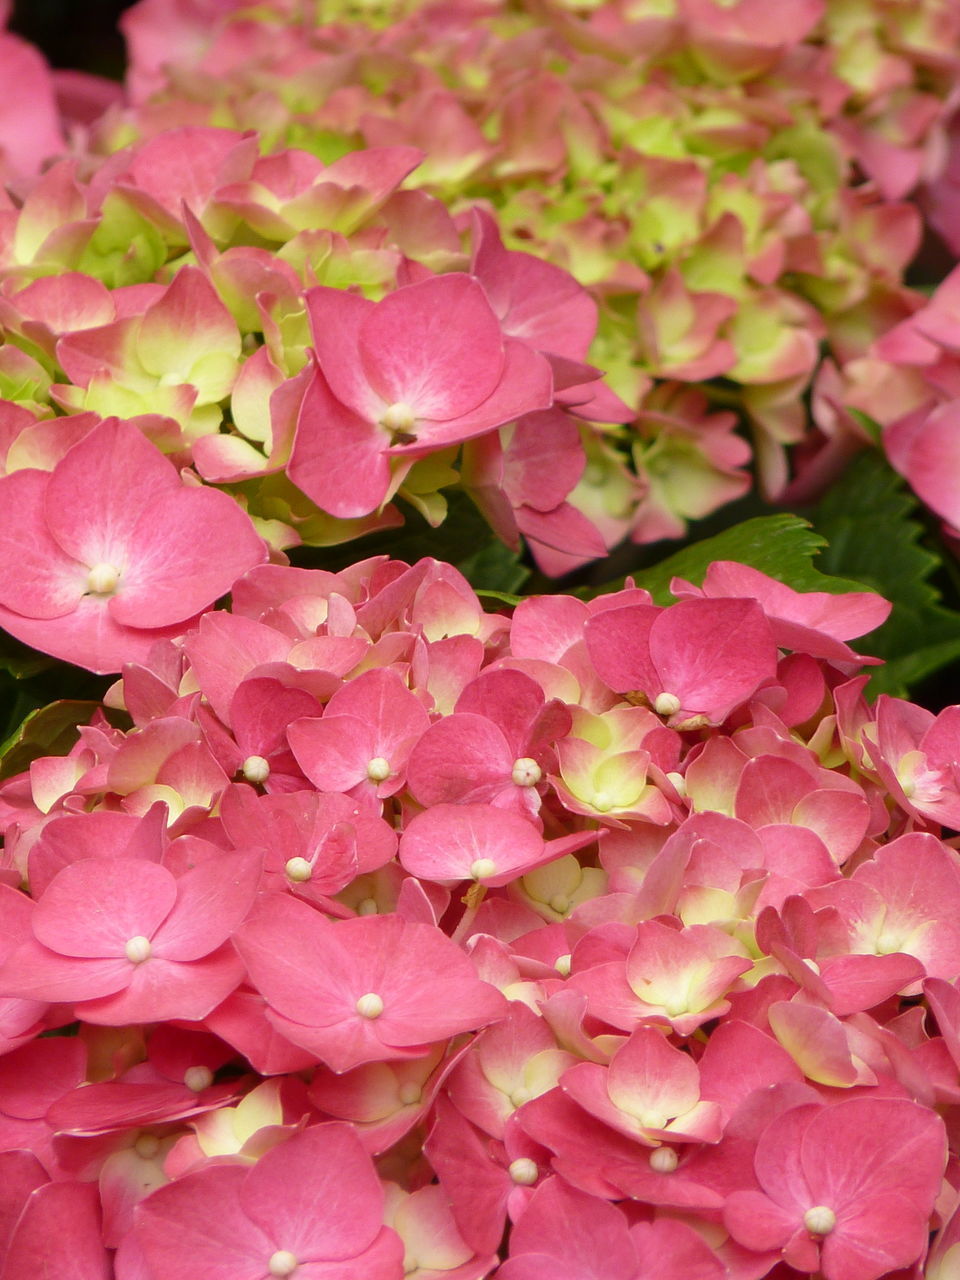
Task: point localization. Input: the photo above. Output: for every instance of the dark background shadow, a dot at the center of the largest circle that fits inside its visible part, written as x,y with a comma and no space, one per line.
81,34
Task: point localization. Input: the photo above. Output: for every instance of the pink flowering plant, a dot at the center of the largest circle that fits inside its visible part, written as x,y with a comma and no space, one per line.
363,918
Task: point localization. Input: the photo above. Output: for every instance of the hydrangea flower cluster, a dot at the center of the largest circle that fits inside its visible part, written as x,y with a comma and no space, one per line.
699,198
405,939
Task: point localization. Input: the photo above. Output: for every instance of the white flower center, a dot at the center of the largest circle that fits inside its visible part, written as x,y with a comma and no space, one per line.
370,1005
524,1171
526,772
409,1093
138,949
282,1263
562,965
298,869
103,579
256,769
367,907
603,801
663,1160
378,770
399,418
147,1146
666,704
820,1220
482,868
198,1078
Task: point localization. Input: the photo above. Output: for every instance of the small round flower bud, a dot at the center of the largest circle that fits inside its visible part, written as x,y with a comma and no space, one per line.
663,1160
523,1171
147,1145
370,1005
483,868
399,417
562,965
138,949
198,1078
820,1220
298,869
378,770
666,704
526,772
409,1093
282,1263
256,769
103,579
679,782
367,907
559,903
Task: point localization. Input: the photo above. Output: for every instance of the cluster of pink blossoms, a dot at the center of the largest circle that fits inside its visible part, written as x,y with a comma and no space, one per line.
591,941
712,197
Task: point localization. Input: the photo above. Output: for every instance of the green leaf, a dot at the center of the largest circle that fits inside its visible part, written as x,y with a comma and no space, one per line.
781,546
869,518
495,570
48,731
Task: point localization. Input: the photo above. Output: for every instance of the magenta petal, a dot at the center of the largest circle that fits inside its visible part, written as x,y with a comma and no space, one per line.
197,1227
317,1195
447,841
435,345
159,990
712,654
99,491
336,317
38,578
168,571
338,457
462,758
58,1234
33,972
93,907
89,636
213,898
618,642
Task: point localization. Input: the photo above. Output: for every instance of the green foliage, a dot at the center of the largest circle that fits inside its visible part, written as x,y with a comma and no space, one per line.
869,519
782,546
48,731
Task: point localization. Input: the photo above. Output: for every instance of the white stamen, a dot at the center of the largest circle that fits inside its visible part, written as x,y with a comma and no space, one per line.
198,1078
282,1263
138,949
663,1160
526,772
820,1220
483,868
103,579
147,1146
378,770
256,769
298,869
399,418
370,1005
523,1171
666,704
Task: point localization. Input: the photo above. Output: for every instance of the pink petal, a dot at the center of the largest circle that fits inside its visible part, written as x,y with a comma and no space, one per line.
213,898
448,840
436,346
317,1195
59,1234
37,577
93,907
159,990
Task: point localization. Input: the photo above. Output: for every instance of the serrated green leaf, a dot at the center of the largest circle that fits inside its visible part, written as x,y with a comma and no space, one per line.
48,731
781,546
495,570
869,519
